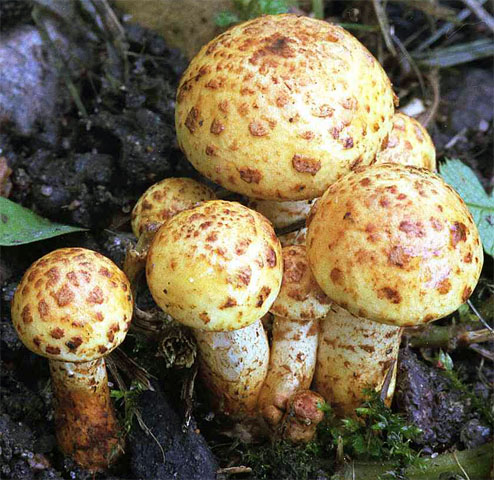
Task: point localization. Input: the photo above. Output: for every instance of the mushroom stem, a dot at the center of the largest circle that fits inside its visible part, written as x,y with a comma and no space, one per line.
135,257
354,354
233,366
291,366
86,425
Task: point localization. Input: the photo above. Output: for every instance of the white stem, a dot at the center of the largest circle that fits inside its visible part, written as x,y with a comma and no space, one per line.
233,365
354,354
291,367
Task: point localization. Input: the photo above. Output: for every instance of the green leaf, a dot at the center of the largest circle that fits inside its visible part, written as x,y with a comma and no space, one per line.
19,225
456,55
445,360
481,205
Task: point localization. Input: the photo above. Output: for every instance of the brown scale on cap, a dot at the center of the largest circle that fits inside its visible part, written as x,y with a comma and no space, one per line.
267,83
219,261
408,143
402,261
166,198
63,302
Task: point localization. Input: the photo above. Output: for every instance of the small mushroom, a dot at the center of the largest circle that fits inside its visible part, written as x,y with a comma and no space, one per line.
284,214
303,414
281,106
354,354
394,244
74,306
156,205
165,199
408,143
297,309
217,268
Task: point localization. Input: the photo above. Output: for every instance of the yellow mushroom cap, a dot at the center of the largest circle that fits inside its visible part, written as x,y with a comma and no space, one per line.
215,267
394,244
282,214
281,106
165,199
300,296
72,305
408,143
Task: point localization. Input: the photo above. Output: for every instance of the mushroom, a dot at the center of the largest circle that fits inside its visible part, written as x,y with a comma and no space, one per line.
217,269
354,354
74,306
394,244
297,309
157,204
303,414
408,143
284,214
281,106
391,244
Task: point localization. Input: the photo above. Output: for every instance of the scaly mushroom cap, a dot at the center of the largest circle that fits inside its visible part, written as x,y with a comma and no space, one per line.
72,305
215,267
281,106
165,199
300,296
394,244
408,144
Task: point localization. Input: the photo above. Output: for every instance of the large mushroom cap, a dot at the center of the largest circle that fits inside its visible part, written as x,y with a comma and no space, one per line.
215,267
72,305
394,244
300,296
165,199
408,143
281,106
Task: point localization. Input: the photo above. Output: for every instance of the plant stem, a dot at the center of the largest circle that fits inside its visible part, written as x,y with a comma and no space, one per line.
447,337
477,463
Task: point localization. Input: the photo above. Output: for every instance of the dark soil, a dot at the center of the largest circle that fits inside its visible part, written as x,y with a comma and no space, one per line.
88,166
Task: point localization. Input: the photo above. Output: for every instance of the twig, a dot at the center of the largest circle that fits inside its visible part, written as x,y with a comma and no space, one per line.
459,464
134,371
60,62
447,337
187,396
436,97
481,13
234,470
384,24
479,316
477,462
409,59
483,351
387,381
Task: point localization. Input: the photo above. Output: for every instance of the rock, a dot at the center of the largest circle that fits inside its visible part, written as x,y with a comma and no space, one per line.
187,456
474,433
428,401
33,96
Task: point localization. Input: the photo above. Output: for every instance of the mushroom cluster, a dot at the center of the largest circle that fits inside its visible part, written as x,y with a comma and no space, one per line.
282,109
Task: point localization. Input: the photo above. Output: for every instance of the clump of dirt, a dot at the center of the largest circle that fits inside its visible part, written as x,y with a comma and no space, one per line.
430,401
90,168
